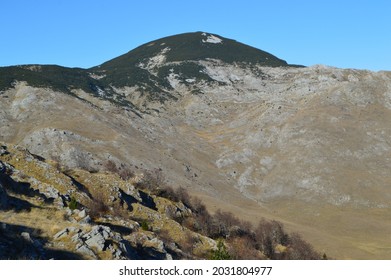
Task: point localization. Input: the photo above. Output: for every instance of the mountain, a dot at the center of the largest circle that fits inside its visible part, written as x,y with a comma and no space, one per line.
235,126
47,212
147,67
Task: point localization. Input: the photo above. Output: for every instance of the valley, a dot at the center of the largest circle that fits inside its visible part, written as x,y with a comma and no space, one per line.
253,135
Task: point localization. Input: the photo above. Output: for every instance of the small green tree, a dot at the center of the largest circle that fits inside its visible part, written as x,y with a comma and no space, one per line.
144,225
73,203
221,253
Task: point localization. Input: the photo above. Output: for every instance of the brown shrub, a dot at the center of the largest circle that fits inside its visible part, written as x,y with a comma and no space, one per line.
301,250
267,235
110,166
187,244
126,174
225,222
243,248
97,205
183,196
152,181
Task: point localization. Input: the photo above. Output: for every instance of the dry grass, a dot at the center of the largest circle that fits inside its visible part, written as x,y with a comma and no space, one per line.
48,220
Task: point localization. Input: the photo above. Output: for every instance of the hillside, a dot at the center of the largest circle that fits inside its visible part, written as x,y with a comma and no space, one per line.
147,68
47,212
254,136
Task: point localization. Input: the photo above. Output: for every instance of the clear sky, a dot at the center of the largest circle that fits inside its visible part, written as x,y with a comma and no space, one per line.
85,33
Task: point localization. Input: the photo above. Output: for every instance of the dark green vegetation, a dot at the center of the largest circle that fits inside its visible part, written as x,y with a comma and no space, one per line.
181,52
190,46
52,76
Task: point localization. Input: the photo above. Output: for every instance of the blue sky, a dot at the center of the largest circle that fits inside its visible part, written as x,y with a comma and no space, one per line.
85,33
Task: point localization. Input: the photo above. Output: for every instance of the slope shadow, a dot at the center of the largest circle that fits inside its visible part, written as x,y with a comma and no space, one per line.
20,188
147,201
24,243
129,200
117,228
80,186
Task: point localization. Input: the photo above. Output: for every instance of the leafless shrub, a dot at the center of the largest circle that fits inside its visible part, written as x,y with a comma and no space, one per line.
243,248
97,205
224,221
119,211
57,162
165,236
126,173
187,244
152,181
301,250
110,166
172,213
183,196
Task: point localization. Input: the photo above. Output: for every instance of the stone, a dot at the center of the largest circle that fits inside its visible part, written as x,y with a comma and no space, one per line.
97,237
155,243
85,250
77,237
61,233
3,150
127,250
82,214
86,220
97,241
26,236
51,192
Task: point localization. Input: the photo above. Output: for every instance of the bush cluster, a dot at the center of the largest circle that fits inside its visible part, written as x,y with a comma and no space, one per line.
237,239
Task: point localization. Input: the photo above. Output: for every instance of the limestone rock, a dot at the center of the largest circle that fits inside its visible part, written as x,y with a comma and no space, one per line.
85,250
82,214
61,233
26,236
97,237
3,150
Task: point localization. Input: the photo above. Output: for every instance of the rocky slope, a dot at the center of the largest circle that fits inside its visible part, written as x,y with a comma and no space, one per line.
309,146
47,212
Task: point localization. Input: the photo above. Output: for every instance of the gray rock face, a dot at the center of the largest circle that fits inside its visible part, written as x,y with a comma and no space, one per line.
267,136
97,237
61,233
26,236
86,220
3,150
82,214
85,250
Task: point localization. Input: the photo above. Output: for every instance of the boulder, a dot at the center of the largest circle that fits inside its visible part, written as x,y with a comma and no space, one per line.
85,250
3,150
97,237
86,220
61,233
26,236
82,214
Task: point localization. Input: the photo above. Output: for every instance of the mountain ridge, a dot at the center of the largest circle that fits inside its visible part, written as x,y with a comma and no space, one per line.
125,69
305,145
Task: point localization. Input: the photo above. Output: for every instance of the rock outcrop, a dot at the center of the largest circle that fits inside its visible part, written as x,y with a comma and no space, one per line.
93,217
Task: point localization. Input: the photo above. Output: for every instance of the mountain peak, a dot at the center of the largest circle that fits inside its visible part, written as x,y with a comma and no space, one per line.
197,46
148,68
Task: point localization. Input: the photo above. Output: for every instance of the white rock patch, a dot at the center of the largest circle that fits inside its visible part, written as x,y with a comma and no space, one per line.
212,39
